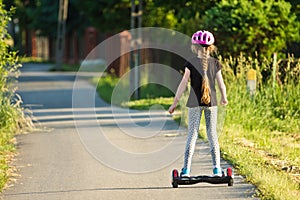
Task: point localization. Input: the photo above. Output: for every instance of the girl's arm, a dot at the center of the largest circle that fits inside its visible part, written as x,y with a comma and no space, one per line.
180,89
222,88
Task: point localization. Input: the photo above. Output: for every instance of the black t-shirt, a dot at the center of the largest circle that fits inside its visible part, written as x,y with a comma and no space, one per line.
196,76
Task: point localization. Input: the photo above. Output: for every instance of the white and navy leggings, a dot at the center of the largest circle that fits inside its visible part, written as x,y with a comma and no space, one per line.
194,117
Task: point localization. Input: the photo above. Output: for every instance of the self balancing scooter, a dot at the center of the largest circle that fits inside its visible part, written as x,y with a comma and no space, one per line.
224,179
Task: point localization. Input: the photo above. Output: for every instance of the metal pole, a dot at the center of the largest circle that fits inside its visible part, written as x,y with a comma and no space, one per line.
132,59
61,30
136,39
139,44
136,75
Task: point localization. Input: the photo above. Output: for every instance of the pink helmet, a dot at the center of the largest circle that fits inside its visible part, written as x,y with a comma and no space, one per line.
203,38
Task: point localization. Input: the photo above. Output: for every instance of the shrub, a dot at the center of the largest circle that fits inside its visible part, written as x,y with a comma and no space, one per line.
12,117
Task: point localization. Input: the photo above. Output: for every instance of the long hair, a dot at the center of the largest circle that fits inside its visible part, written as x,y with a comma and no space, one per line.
205,83
205,52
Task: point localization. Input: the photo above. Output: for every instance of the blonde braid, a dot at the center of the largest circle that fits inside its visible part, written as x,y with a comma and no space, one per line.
205,84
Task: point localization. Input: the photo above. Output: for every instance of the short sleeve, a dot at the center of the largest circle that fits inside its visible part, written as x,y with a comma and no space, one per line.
188,65
218,65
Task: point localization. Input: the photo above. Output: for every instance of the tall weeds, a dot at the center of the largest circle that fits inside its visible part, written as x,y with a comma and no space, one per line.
12,117
273,105
262,130
270,108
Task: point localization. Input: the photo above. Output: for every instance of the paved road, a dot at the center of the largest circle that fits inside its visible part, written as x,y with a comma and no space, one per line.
81,152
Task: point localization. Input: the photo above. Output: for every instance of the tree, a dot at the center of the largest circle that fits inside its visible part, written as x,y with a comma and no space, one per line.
184,16
258,26
42,15
295,7
108,16
294,48
262,26
158,16
114,16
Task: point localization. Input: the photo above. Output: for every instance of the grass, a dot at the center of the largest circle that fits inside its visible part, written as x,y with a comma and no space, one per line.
97,66
150,94
261,167
26,59
7,131
12,121
261,135
86,65
146,104
66,68
105,87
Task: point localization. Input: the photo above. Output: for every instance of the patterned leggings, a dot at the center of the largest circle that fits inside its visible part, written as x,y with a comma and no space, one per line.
194,117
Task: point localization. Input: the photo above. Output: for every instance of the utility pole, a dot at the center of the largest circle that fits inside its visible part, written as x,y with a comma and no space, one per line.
61,31
136,41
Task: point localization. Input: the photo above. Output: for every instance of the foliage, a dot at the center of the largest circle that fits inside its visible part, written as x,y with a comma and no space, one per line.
258,26
183,16
271,106
42,15
163,17
105,86
108,16
295,7
12,117
22,11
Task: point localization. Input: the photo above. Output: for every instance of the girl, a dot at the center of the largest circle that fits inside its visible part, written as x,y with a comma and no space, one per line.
202,70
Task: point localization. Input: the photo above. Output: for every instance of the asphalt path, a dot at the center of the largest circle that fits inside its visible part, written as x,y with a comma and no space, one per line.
86,149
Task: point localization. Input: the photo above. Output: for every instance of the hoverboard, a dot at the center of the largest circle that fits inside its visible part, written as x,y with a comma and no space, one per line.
224,179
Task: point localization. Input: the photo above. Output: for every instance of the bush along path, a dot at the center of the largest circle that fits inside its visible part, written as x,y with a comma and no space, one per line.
12,117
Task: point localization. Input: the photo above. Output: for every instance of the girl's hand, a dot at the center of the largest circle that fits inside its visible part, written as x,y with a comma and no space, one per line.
172,108
224,101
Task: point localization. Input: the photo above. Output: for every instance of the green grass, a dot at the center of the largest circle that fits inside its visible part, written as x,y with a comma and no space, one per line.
105,87
261,135
261,167
25,59
150,94
146,104
97,66
66,68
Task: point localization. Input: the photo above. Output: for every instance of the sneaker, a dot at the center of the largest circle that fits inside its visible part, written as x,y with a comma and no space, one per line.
185,172
217,171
